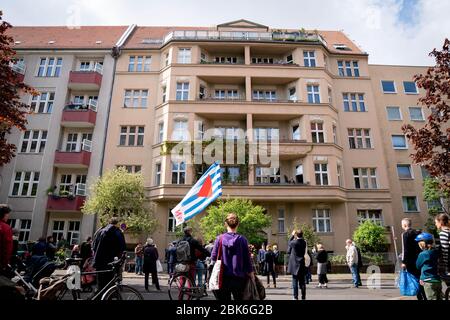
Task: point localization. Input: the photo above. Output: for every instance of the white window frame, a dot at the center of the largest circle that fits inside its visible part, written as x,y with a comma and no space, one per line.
323,215
176,167
184,55
316,132
160,136
369,177
65,230
135,98
264,175
55,70
158,174
421,112
171,222
411,177
364,138
137,135
180,130
24,228
339,174
31,183
182,91
40,141
36,101
399,148
314,92
364,215
322,173
281,220
309,59
395,87
399,111
410,93
404,203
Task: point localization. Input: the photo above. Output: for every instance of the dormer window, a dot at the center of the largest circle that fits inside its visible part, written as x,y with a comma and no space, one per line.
342,47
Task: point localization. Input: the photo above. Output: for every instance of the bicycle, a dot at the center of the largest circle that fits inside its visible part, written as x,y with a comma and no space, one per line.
183,287
114,290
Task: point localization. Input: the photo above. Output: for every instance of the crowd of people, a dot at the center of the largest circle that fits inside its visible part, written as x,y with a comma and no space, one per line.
421,256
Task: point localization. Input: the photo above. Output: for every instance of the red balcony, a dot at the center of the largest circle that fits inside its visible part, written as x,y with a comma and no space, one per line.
80,159
80,116
85,80
56,203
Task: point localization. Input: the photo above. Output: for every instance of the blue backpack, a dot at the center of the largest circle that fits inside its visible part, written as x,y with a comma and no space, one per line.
408,284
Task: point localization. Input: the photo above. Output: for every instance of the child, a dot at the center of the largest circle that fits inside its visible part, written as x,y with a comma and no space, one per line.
427,263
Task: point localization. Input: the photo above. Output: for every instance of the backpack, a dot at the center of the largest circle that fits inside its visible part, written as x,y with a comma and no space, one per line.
183,250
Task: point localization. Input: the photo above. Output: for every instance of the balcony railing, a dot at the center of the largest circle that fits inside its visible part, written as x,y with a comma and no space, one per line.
97,67
210,97
243,36
238,62
90,105
18,67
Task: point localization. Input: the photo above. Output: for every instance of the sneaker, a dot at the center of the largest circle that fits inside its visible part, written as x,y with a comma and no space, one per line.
268,286
325,286
294,298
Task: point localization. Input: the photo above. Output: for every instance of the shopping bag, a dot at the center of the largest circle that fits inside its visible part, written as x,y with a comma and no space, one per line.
159,267
408,284
260,288
250,290
215,280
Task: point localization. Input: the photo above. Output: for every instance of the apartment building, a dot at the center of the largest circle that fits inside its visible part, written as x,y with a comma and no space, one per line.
60,153
313,92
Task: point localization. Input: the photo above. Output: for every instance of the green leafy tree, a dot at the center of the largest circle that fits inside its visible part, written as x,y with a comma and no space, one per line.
433,193
121,194
309,234
370,237
252,219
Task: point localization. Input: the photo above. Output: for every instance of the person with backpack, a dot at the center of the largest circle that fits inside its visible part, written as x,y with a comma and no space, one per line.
410,252
189,250
171,257
109,242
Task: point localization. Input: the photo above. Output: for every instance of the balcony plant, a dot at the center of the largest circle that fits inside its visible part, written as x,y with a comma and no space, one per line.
63,193
51,191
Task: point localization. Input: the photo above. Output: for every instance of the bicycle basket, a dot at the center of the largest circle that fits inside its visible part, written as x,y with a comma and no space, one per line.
181,268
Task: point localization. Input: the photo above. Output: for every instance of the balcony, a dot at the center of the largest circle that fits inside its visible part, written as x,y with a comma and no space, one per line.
19,69
80,159
90,79
80,115
69,202
274,36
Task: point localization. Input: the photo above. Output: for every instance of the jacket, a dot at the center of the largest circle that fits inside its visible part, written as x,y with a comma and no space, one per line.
296,251
235,255
6,244
150,257
270,261
108,244
427,264
196,249
261,255
410,250
352,255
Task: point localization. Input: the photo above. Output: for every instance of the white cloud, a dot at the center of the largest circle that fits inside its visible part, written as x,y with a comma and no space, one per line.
372,24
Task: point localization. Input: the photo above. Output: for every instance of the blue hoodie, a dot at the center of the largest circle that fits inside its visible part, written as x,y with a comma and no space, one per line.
235,255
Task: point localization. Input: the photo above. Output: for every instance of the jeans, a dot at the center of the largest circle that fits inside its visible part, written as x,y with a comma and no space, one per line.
355,275
200,272
138,267
299,280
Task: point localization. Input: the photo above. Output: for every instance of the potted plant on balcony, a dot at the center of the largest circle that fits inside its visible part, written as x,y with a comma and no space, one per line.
50,191
70,196
64,193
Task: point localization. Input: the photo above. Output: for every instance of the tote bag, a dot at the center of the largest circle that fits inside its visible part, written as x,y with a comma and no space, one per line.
408,284
159,267
215,281
307,257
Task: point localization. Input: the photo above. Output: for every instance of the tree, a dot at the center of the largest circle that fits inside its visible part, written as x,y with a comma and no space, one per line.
252,219
432,142
309,234
12,111
121,194
439,201
370,237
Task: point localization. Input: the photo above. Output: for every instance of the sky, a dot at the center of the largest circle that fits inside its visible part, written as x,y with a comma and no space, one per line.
399,32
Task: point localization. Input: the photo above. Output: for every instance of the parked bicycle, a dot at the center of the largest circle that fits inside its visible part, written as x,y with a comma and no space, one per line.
183,287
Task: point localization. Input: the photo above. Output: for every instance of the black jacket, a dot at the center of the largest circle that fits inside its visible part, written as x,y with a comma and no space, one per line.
411,250
197,250
150,257
296,251
322,256
108,244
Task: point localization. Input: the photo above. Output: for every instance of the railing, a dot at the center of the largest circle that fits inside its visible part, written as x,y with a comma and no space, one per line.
18,67
98,67
276,62
239,97
91,105
238,62
242,36
290,183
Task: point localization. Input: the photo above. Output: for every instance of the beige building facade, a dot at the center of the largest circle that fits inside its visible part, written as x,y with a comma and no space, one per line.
313,94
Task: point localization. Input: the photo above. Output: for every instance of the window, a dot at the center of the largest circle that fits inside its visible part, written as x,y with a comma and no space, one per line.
266,175
410,87
43,103
365,178
404,171
85,66
410,204
296,132
290,59
321,173
65,183
359,138
230,174
309,57
25,184
354,102
73,232
330,95
416,114
167,59
229,133
171,222
203,58
335,140
158,174
348,68
131,136
425,173
33,141
339,175
72,142
231,60
375,216
24,230
399,142
160,132
264,95
223,94
182,91
135,98
292,94
50,67
178,172
70,230
322,220
388,87
130,168
299,174
184,55
317,132
313,94
58,230
260,60
267,134
139,63
394,113
281,221
180,131
164,94
435,205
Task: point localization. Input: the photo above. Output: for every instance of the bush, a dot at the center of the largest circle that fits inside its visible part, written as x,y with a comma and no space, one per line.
370,237
338,260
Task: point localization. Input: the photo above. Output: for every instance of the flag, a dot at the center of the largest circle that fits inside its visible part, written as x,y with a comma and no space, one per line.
207,189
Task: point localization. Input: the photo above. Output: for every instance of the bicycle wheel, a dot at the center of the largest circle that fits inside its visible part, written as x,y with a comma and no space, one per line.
122,292
180,288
